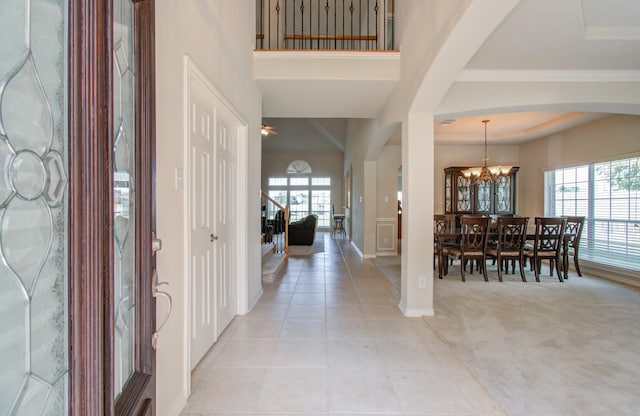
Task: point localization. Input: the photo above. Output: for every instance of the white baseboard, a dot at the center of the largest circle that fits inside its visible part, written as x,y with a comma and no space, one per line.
357,249
608,273
414,313
252,302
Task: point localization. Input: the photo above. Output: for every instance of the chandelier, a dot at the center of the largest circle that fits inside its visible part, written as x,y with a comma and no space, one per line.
486,173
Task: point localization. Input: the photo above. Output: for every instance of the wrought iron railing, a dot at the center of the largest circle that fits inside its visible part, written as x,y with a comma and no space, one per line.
324,24
275,227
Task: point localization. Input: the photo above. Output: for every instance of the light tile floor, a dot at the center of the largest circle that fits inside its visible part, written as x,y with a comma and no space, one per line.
327,338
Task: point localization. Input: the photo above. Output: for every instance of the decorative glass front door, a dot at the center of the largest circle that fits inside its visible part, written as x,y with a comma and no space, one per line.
76,204
34,227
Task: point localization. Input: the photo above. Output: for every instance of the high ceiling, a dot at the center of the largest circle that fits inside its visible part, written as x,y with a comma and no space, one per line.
305,135
580,39
565,35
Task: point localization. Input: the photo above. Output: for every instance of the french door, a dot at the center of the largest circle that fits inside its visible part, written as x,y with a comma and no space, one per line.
76,207
213,146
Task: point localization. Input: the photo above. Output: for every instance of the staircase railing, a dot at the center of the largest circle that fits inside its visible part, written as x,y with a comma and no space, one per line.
275,224
324,25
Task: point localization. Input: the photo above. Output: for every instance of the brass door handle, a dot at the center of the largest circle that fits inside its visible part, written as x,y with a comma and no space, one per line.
162,294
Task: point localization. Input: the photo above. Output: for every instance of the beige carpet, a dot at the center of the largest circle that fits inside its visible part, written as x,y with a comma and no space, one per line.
545,348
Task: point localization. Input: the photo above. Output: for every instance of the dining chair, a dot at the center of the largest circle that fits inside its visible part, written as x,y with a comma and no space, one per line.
512,233
442,224
473,244
549,232
574,231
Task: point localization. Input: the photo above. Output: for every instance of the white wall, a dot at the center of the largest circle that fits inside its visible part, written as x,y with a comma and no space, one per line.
207,31
387,181
387,199
363,199
434,21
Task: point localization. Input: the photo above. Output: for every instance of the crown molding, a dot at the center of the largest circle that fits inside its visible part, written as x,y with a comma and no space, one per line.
508,75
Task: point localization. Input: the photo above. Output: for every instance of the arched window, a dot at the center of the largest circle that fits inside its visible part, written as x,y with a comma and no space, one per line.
299,167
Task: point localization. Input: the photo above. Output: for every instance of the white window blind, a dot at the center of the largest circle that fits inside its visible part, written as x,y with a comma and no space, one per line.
607,194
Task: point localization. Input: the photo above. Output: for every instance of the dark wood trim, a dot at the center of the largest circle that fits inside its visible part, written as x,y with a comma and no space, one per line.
145,163
138,396
89,156
91,220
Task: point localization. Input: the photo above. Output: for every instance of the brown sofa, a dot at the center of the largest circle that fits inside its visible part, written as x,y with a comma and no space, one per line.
303,232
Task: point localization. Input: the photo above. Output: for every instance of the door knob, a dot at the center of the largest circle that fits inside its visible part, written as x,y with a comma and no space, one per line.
213,237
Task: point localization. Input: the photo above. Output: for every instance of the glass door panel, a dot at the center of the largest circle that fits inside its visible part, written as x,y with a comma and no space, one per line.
321,206
447,193
280,197
298,204
124,193
483,197
34,227
503,196
464,194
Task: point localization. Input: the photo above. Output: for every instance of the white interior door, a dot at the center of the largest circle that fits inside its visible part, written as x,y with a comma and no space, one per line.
213,132
226,242
200,201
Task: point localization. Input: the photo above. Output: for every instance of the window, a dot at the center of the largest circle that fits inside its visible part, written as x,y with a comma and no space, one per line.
298,204
607,194
277,181
321,206
304,196
321,181
299,167
299,181
280,196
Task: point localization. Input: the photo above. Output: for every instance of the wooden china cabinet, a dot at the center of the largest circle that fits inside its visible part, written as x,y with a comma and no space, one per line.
462,196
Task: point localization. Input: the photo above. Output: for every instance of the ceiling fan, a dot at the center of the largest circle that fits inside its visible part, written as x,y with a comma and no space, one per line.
266,130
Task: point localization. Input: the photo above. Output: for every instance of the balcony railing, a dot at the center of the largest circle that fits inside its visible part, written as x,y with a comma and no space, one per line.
324,25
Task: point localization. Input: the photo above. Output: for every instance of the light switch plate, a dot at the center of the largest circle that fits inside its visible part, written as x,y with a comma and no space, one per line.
179,178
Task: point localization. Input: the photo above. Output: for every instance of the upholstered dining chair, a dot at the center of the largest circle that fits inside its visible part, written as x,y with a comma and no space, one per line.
473,244
512,234
574,231
547,244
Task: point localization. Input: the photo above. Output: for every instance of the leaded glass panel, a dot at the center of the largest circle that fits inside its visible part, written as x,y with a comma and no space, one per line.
124,192
483,197
447,193
464,194
503,195
34,274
